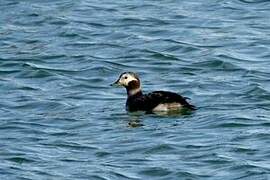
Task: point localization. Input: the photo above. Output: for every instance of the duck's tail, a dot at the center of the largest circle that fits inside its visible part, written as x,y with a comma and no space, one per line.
191,107
188,105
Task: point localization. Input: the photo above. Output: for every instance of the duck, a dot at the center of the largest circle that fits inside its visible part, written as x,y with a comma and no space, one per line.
156,101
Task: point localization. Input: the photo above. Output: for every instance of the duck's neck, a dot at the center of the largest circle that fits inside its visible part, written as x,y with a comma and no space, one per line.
133,88
132,92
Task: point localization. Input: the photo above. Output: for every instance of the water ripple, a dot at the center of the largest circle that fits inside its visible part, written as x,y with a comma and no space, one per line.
61,119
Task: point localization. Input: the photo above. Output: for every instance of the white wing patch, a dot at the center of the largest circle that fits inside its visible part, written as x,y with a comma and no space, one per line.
168,107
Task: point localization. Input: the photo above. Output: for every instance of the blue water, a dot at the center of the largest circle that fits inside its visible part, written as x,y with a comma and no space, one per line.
60,119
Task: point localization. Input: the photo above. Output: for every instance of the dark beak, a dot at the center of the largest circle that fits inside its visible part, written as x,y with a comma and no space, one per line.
116,83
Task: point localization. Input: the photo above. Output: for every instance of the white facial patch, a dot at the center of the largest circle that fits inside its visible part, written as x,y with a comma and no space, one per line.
126,78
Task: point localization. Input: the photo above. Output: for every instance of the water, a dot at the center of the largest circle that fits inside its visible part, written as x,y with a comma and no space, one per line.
60,119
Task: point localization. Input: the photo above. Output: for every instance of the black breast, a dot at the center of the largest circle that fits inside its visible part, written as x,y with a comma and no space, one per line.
150,101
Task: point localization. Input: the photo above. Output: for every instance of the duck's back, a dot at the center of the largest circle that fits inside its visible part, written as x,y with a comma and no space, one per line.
152,101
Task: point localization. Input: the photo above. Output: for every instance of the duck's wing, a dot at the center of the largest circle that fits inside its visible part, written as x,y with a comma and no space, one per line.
168,97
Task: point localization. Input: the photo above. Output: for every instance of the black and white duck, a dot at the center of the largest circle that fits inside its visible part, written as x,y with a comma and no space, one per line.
157,101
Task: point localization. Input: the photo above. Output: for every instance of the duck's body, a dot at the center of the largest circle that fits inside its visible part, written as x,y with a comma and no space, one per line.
156,101
152,102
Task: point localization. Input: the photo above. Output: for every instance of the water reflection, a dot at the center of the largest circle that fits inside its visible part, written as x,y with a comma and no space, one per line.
135,119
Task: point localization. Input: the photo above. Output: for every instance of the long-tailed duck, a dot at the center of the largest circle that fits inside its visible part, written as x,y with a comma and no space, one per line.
153,102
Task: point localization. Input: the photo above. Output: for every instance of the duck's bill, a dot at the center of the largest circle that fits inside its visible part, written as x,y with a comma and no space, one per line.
116,84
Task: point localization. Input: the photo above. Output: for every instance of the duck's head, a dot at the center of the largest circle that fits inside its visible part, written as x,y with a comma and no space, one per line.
127,79
130,81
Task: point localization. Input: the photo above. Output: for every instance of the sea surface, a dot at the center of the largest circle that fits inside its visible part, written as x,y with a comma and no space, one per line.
60,119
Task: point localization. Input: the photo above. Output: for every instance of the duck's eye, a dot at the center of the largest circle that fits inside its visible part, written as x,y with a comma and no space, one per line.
125,77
